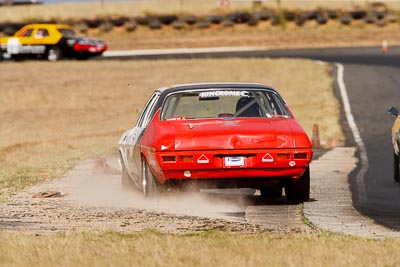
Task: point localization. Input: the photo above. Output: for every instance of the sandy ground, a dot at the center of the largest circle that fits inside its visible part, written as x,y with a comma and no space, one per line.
90,198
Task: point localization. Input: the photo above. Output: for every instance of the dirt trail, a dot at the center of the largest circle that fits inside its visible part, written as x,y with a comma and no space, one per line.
90,198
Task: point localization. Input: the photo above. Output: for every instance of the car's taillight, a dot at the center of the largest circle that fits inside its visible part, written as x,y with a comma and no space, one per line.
186,158
81,47
283,156
300,156
168,158
173,159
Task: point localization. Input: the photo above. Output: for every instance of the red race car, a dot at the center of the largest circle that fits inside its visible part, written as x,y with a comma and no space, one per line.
217,135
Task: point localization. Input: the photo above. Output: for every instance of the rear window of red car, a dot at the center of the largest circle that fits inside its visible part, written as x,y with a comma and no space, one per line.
222,103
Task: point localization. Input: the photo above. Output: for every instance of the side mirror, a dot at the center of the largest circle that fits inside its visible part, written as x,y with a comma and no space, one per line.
393,111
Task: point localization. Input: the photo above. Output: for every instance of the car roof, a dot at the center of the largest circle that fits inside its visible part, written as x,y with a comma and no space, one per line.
194,86
47,25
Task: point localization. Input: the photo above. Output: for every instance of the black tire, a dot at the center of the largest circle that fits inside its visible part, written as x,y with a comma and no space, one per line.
131,26
54,53
82,56
203,24
396,165
190,20
178,25
300,20
321,20
155,24
274,192
298,190
126,181
149,184
93,23
346,20
167,19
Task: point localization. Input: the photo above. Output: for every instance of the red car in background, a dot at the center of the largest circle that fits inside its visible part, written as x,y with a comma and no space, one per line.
217,135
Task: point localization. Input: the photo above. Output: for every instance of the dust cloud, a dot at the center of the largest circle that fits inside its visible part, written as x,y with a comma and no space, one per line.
85,187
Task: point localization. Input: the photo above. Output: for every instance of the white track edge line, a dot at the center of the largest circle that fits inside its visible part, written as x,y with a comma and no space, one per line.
361,189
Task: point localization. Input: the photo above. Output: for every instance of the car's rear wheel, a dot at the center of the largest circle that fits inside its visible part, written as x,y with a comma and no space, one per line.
54,53
298,190
274,192
396,165
82,56
149,184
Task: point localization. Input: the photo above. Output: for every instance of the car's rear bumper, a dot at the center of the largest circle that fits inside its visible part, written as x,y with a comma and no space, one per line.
199,165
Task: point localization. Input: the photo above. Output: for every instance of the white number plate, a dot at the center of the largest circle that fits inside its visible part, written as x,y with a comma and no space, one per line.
234,161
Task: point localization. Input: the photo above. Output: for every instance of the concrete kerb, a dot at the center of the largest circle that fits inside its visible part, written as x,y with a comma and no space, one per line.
330,207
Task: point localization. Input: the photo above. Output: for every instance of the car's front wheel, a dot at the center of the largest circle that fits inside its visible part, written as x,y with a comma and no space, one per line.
149,184
298,190
54,53
396,165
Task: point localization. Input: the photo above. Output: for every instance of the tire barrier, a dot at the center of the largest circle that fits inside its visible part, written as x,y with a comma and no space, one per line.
263,15
321,19
106,27
241,17
118,22
93,23
167,19
358,14
190,20
215,19
300,20
346,19
9,31
142,21
155,24
178,24
131,26
376,14
275,20
311,15
227,23
332,14
289,15
82,27
203,24
253,21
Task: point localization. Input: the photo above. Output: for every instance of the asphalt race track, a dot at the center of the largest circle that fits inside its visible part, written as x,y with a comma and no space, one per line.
372,80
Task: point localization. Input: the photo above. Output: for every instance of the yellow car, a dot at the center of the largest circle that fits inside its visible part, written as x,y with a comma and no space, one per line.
396,142
49,41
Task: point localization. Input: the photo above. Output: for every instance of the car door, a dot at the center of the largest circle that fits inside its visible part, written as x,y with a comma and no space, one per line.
15,45
396,134
130,140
